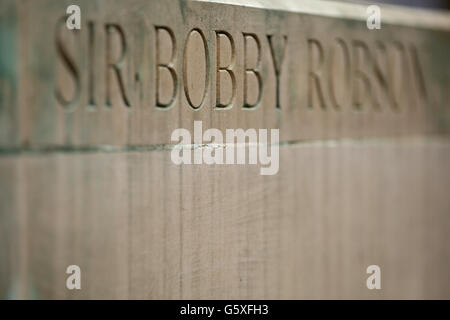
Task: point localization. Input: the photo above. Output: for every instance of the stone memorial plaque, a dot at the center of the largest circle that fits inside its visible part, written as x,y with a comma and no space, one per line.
88,178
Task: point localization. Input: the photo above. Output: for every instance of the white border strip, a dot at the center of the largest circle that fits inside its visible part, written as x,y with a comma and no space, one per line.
391,14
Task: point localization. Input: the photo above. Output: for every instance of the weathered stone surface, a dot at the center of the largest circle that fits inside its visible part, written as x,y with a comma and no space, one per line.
87,179
132,75
142,227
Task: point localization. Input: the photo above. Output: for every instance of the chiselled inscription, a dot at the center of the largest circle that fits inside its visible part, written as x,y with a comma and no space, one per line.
341,73
223,37
67,59
251,40
130,79
277,63
167,66
115,67
392,70
195,54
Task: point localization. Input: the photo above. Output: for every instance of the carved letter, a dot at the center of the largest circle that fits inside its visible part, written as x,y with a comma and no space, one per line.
185,70
358,74
115,66
380,76
277,66
91,81
228,69
255,71
168,66
68,61
420,86
315,72
344,84
399,75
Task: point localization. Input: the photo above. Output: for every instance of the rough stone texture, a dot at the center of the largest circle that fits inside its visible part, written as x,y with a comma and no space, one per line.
407,70
93,184
142,227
